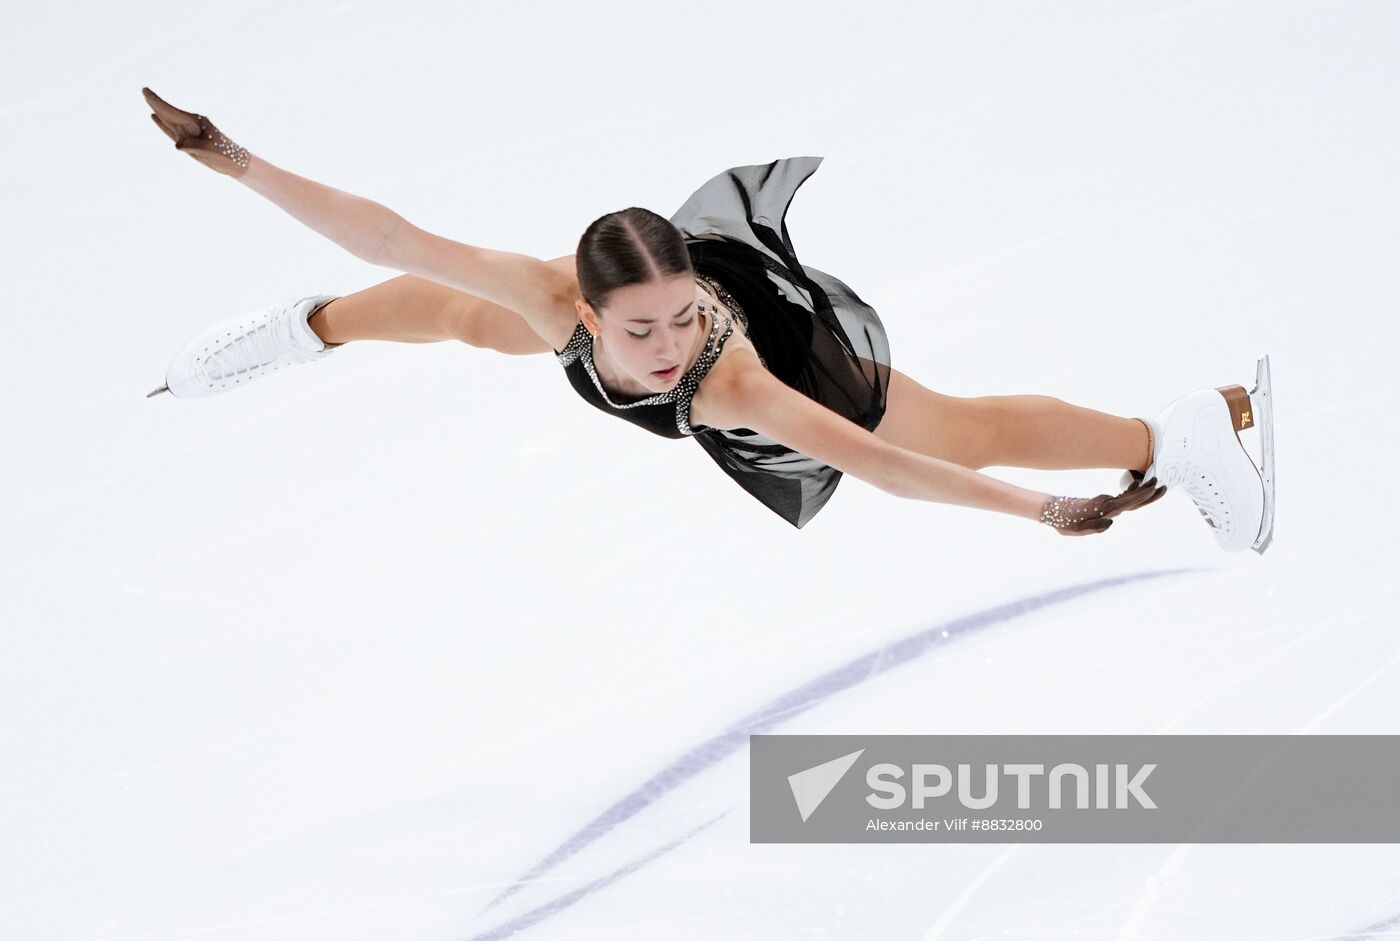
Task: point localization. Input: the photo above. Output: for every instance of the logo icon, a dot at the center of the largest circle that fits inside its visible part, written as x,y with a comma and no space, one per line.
810,787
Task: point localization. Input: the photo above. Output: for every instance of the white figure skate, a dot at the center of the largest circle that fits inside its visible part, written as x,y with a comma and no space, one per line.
1198,449
246,348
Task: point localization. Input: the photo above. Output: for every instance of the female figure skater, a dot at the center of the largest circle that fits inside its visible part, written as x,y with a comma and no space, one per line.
708,326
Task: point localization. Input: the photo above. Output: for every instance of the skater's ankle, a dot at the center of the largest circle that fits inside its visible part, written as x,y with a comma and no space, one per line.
316,323
1149,448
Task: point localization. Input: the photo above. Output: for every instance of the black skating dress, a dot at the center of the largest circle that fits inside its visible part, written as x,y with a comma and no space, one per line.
811,331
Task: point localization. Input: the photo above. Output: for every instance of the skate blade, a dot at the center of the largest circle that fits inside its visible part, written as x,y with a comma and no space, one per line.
1255,409
155,392
1262,399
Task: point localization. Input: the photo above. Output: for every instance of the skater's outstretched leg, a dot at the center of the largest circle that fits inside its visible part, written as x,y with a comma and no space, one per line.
1193,445
409,309
1037,431
406,309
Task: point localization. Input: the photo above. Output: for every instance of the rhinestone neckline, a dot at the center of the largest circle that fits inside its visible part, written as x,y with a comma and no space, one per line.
580,347
656,398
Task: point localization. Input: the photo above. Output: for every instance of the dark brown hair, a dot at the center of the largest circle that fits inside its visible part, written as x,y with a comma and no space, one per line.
630,246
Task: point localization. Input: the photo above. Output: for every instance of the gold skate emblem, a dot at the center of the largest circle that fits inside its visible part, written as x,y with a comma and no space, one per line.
1244,419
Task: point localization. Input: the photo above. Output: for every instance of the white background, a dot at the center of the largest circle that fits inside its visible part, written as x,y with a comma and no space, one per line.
348,653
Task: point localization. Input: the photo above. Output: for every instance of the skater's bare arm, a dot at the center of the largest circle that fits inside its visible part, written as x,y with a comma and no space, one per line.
740,393
380,236
744,395
541,293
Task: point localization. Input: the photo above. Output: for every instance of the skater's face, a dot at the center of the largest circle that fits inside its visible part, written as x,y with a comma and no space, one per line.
648,331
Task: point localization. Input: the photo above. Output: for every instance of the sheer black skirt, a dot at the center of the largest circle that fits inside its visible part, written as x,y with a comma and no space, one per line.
812,330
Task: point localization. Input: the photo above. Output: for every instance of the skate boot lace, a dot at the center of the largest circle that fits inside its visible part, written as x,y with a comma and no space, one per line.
1203,490
255,349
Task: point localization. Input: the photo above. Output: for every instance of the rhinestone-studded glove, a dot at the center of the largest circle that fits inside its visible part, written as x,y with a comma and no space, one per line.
1076,516
198,137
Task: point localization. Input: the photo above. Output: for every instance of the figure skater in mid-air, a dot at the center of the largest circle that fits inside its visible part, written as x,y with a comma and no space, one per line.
706,325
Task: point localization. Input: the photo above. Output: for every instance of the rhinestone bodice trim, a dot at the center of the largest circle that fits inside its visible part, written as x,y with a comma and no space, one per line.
580,347
728,301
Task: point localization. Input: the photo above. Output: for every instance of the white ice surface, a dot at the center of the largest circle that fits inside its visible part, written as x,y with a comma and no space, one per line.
348,653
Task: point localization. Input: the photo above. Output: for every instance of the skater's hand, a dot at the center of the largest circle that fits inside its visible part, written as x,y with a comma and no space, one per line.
1075,516
198,137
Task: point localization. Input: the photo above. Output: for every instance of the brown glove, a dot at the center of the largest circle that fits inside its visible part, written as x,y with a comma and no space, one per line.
196,136
1075,516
